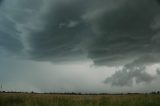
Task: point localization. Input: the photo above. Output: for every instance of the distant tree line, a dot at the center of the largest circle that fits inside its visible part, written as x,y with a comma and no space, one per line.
74,93
155,92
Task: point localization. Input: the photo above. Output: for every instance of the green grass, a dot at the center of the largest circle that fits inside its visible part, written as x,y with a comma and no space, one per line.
20,99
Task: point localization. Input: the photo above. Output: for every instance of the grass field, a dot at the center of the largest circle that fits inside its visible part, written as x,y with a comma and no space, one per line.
22,99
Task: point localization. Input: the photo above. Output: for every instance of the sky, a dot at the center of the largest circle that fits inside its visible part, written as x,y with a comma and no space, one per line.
88,46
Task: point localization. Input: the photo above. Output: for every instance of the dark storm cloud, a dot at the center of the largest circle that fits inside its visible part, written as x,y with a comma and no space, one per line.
10,43
158,1
13,15
1,1
110,32
66,33
115,32
124,33
121,33
9,39
63,33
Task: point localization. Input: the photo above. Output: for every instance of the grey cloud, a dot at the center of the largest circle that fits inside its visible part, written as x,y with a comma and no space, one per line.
66,35
158,71
114,34
63,34
1,1
125,37
21,11
13,15
110,32
158,1
10,43
9,39
127,76
124,33
134,72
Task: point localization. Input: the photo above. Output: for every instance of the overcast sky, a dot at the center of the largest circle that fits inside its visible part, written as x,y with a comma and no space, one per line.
80,45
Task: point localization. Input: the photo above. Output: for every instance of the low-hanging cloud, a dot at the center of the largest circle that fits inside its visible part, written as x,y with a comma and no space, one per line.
134,72
128,76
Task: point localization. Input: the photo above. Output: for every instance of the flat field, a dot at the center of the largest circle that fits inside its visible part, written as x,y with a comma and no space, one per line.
26,99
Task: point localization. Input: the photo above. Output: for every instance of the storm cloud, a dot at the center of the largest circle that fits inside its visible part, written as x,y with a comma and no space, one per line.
111,33
125,33
9,40
128,76
134,73
63,33
108,35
